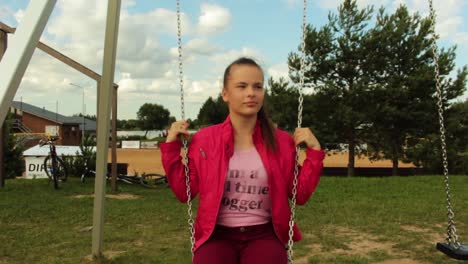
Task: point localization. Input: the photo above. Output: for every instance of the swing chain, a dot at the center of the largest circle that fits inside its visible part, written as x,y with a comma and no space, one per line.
299,124
452,237
184,141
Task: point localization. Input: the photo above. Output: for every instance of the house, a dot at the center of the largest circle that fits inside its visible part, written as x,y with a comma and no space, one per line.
31,123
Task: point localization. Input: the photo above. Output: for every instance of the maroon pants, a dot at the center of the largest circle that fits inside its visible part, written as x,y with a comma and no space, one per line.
242,245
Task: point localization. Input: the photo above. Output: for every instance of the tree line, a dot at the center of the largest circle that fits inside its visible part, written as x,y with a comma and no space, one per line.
374,91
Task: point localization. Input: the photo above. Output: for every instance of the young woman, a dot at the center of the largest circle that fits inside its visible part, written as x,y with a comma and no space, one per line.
242,170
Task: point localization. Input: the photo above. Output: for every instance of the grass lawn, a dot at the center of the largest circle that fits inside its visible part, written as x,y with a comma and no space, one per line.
348,220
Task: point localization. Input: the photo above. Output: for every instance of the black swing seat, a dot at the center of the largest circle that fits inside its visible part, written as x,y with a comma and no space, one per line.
453,252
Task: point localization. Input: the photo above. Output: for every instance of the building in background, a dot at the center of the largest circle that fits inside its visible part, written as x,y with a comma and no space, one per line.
31,123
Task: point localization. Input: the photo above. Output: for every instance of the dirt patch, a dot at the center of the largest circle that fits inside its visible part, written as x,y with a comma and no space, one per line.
399,261
120,196
415,229
108,255
362,243
84,229
139,243
355,244
432,236
4,260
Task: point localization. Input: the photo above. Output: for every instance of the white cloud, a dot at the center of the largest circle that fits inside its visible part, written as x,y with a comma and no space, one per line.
147,57
201,46
292,3
226,57
19,15
128,3
279,70
333,4
127,84
375,3
47,81
328,4
213,19
5,13
450,20
461,38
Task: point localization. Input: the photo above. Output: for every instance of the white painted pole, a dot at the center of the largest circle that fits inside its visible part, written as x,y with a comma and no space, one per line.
22,45
104,107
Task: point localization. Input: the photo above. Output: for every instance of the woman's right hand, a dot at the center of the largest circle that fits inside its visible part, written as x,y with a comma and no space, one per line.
177,128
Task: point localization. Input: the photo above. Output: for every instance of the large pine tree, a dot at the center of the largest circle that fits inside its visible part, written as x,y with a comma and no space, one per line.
336,57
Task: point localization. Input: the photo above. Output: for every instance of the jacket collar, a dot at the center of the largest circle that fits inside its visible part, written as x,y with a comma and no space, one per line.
228,133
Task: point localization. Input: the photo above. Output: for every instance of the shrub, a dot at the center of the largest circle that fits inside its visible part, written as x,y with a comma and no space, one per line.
13,156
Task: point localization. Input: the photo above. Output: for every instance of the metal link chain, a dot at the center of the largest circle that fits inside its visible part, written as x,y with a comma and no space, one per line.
184,141
452,237
298,149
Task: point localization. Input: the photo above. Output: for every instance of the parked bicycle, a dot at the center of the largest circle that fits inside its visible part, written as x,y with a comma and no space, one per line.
53,164
150,180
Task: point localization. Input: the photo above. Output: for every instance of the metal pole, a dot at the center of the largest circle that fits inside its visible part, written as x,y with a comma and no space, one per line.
114,141
3,47
15,61
104,107
82,112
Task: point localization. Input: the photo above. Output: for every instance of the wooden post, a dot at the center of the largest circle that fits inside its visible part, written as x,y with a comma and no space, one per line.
68,61
114,140
15,61
104,107
3,47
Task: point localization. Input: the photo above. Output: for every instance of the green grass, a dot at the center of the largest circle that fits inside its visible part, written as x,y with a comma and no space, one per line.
348,220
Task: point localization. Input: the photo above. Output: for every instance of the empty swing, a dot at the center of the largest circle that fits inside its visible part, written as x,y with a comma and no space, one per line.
452,246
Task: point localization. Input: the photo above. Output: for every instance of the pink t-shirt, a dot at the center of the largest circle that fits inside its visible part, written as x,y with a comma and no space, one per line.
246,199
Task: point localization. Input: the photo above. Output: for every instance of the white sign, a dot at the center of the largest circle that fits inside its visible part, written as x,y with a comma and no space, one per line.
52,130
35,167
34,159
131,144
150,145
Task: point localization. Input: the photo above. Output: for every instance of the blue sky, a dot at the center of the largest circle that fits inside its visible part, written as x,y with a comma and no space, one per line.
214,33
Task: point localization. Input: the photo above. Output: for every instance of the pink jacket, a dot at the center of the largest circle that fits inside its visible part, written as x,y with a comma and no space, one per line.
209,154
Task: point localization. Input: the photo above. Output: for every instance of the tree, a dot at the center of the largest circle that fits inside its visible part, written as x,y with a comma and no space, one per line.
404,95
336,64
152,116
90,117
375,85
131,124
13,155
212,111
426,151
281,103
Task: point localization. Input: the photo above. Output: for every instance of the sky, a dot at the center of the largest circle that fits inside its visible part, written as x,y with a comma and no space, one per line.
214,33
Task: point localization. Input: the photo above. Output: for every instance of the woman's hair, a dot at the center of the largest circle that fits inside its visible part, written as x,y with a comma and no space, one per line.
268,128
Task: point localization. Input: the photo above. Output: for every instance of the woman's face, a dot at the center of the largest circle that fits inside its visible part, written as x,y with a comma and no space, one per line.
244,91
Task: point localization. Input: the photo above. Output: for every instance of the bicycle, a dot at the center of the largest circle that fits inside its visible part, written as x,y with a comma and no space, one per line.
150,180
53,165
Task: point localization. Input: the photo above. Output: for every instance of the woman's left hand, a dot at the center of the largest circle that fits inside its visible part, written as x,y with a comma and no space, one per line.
304,134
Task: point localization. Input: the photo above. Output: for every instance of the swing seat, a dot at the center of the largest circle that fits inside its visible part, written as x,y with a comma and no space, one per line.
453,252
